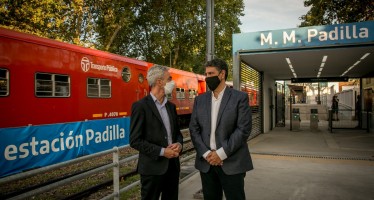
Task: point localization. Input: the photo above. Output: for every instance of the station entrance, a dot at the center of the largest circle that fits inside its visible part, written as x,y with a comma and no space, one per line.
284,59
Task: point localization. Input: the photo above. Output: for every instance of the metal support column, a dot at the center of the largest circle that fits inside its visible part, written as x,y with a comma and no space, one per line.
236,71
116,173
209,30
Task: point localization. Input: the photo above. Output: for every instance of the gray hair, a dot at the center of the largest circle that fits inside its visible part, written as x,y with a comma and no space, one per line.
154,73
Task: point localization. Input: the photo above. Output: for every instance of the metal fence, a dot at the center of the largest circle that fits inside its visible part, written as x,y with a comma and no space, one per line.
115,165
350,119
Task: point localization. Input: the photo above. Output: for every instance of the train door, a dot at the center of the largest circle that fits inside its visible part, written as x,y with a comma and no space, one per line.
142,86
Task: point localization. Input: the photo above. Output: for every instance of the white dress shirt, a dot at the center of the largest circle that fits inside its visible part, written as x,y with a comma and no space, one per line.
216,103
165,119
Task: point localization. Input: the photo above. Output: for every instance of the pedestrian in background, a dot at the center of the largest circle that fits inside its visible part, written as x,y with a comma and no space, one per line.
155,133
358,110
335,108
220,126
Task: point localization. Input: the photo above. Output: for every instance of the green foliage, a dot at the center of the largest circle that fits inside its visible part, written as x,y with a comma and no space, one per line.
166,32
325,12
64,20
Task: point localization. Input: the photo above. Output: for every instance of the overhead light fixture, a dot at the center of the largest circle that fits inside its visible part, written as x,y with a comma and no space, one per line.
291,67
321,66
355,64
324,59
288,61
364,56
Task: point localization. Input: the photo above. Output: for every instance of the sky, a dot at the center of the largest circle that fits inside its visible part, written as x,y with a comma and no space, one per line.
263,15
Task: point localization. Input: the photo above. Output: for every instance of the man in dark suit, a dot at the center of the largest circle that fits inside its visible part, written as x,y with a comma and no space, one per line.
155,133
220,126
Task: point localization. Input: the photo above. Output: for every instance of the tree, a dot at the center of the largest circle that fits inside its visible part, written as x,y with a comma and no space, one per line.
64,20
166,32
325,12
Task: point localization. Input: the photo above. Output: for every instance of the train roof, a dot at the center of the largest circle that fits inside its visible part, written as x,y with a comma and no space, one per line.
12,34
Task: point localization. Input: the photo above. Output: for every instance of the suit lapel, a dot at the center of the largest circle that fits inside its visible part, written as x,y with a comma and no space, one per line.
225,100
171,118
153,107
209,110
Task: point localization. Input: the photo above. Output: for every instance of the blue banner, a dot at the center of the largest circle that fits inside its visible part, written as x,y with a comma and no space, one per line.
31,147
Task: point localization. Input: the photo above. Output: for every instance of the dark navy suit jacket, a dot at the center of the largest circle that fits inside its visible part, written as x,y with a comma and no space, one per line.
148,135
234,123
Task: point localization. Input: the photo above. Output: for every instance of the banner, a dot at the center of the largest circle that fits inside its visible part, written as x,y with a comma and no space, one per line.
30,147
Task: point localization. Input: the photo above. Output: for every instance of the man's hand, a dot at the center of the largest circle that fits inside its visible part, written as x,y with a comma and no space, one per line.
214,159
176,147
170,153
173,150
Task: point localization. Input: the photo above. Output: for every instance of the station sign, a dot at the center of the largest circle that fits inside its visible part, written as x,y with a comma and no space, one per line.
317,80
30,147
312,36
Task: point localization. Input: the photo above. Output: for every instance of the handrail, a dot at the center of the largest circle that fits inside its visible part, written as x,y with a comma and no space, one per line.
115,165
55,166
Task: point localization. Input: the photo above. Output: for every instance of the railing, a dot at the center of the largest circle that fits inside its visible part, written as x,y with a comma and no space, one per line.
344,120
115,165
347,98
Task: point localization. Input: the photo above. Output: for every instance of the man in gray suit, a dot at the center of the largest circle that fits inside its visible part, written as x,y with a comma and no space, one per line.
220,125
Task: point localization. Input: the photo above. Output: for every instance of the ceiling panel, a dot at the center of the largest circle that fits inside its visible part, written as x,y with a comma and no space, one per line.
306,63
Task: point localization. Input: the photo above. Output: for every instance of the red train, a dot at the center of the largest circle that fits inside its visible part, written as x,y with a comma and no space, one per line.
43,81
250,90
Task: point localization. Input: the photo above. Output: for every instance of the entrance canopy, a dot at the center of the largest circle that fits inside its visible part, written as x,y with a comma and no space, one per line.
316,52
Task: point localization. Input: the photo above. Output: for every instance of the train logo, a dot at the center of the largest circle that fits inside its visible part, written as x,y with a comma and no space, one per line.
85,63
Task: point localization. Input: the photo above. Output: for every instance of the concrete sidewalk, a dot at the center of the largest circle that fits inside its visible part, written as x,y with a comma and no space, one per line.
306,165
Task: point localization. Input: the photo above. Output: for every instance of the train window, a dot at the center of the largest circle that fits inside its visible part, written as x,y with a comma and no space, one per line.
126,74
62,86
52,85
191,94
169,96
141,78
4,82
105,88
180,93
99,88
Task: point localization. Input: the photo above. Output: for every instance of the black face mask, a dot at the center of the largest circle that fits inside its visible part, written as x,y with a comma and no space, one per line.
212,82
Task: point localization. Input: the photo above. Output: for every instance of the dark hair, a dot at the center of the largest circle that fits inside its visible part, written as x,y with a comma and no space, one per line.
219,64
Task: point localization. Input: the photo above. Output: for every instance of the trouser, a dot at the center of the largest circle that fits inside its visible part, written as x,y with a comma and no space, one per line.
165,185
215,180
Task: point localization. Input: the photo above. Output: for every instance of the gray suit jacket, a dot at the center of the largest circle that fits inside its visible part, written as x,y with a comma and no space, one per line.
234,123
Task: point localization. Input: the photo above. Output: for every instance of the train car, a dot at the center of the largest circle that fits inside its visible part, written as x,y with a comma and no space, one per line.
250,90
60,101
187,86
43,81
